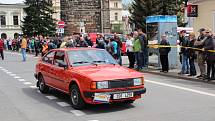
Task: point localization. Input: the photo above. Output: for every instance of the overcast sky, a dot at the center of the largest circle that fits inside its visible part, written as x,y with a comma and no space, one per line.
11,1
21,1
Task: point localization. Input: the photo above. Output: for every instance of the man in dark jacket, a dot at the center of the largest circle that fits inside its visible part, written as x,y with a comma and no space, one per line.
192,55
89,41
37,46
144,47
184,42
201,57
209,45
164,51
2,49
100,42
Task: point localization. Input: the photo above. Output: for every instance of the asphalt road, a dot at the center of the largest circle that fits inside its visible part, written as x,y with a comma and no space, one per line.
167,99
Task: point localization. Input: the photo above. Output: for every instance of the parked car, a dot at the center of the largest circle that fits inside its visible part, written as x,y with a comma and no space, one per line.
89,76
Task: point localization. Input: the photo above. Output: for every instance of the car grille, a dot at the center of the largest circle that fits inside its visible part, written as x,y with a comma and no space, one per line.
121,83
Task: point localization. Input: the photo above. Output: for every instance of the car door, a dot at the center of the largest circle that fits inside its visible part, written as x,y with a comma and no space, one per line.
47,66
60,74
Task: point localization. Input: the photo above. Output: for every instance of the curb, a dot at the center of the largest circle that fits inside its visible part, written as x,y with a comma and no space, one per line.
179,77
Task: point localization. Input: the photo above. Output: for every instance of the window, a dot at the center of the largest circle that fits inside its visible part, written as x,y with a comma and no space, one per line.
214,21
59,59
49,57
116,16
90,57
115,5
15,20
2,20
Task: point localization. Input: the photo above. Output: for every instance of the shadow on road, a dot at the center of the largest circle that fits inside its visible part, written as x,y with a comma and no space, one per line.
61,97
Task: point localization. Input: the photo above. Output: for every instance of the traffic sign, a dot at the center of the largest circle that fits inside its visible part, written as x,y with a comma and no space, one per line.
60,30
61,24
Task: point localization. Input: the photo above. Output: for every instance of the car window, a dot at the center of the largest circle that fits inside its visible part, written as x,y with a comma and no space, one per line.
49,57
59,58
89,57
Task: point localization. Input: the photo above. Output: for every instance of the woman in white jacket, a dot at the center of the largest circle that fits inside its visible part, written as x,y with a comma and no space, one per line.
129,49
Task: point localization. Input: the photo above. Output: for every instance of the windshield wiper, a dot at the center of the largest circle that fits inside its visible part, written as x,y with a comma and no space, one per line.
99,61
81,62
104,62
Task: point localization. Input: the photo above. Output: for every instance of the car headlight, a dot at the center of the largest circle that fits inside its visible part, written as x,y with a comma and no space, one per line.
137,81
102,85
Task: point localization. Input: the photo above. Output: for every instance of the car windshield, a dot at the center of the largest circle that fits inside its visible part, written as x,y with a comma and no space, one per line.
90,57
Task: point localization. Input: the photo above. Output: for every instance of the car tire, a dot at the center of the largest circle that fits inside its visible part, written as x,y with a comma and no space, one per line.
42,85
77,101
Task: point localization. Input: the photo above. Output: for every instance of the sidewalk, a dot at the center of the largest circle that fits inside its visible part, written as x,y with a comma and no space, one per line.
172,72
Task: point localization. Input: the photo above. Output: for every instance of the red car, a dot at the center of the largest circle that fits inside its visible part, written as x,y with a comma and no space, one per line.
89,76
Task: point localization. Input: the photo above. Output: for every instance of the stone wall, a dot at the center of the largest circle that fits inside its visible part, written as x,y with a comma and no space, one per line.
90,12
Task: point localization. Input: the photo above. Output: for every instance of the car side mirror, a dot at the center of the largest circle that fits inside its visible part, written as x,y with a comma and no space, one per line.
62,64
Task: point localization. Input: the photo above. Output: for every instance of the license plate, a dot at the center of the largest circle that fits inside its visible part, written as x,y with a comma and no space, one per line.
123,95
101,97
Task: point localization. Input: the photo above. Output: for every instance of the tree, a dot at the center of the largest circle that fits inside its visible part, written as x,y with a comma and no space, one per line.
140,9
39,19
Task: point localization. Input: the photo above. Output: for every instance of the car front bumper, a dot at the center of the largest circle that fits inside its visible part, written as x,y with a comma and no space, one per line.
137,94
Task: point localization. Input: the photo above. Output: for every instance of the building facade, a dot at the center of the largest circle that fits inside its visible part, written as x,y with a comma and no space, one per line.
82,16
116,11
11,16
56,8
206,15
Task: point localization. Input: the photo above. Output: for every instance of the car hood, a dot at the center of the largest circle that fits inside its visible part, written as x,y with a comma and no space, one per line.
111,72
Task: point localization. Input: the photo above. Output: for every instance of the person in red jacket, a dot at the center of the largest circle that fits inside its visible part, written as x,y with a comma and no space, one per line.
2,48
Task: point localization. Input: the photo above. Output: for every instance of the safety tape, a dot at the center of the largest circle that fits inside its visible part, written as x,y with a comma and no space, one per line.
174,46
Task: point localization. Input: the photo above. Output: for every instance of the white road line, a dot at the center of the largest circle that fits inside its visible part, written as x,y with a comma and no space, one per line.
12,74
77,112
17,77
93,120
63,104
33,87
38,91
5,70
182,88
51,97
27,83
0,67
22,80
8,72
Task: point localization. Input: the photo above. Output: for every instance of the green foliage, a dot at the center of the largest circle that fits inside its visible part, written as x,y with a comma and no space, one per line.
140,9
39,19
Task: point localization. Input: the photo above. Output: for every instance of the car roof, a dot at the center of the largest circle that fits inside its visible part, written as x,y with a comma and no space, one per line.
74,49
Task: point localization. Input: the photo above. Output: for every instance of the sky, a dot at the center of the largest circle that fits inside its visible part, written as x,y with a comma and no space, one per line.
11,1
20,1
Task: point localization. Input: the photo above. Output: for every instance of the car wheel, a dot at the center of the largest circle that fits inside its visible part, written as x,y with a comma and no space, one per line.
76,99
42,86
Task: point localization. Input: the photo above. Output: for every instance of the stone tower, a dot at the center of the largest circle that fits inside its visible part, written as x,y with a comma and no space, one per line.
85,16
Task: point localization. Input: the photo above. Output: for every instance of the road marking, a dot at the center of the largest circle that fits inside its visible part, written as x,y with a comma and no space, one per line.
0,67
8,72
5,70
27,83
77,112
38,91
93,120
182,88
51,97
63,104
33,87
22,80
17,77
12,74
